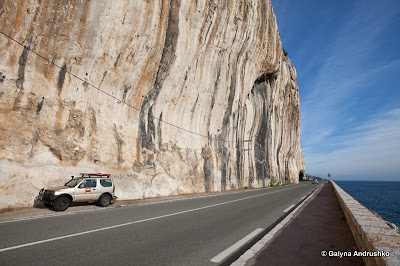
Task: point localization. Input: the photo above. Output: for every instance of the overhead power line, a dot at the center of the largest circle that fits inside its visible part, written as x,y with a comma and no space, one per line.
106,93
121,101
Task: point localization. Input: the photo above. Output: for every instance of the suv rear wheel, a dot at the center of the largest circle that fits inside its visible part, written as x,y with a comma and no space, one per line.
104,200
61,203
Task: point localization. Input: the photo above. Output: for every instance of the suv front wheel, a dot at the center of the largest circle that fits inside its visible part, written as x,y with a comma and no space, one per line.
104,200
61,203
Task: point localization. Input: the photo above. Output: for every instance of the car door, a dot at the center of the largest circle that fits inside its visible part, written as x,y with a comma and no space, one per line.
87,190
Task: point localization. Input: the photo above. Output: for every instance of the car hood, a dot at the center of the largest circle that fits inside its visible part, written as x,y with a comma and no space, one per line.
57,188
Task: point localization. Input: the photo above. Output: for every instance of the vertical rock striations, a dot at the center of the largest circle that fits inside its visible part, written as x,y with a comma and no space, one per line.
170,96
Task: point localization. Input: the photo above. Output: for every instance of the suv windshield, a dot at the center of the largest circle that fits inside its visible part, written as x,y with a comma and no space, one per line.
73,182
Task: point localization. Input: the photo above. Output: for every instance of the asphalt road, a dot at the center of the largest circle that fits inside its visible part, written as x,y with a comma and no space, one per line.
183,232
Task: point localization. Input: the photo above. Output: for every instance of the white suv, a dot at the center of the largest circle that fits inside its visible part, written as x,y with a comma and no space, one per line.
86,188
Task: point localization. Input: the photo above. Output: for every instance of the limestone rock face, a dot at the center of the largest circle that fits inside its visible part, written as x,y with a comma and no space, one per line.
169,96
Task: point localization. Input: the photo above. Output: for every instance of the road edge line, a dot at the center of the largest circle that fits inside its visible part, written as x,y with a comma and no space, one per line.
241,257
288,208
227,252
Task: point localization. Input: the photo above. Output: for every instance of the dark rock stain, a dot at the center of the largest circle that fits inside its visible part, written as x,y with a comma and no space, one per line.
119,145
240,144
2,77
146,137
239,170
22,63
260,149
102,79
207,169
267,77
216,86
225,158
263,22
261,88
39,106
194,108
56,153
278,151
159,133
61,78
127,87
231,96
116,61
225,124
287,178
151,129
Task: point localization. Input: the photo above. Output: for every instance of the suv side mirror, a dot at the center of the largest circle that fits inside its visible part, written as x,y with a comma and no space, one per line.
81,185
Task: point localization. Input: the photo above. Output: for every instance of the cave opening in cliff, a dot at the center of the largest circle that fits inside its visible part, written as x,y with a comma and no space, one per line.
266,77
301,175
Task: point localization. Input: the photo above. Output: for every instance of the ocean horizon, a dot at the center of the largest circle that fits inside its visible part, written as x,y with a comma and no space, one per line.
382,197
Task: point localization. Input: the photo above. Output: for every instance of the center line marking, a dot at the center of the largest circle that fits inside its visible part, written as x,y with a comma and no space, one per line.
236,246
139,221
289,208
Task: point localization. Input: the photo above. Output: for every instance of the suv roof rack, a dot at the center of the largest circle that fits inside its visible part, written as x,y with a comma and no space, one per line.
94,175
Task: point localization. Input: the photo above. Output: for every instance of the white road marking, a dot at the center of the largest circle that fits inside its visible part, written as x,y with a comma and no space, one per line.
139,221
242,260
288,208
236,246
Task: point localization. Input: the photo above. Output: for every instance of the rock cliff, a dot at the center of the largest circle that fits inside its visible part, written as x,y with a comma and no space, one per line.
169,96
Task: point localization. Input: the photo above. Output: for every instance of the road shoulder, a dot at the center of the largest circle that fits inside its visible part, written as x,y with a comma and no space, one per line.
319,226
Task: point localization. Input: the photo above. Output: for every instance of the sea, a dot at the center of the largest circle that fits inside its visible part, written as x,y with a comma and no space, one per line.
383,197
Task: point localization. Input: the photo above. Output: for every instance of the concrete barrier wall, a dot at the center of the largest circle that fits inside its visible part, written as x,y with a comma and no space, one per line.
370,232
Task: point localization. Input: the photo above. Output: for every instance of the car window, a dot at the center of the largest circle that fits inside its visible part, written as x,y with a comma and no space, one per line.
73,182
89,183
106,182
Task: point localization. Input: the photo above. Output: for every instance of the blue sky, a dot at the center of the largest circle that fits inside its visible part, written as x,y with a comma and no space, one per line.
347,57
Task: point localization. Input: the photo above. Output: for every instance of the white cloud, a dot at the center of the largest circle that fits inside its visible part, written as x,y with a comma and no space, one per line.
344,73
372,151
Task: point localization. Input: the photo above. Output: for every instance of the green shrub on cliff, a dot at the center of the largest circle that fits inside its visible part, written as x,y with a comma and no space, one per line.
284,52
